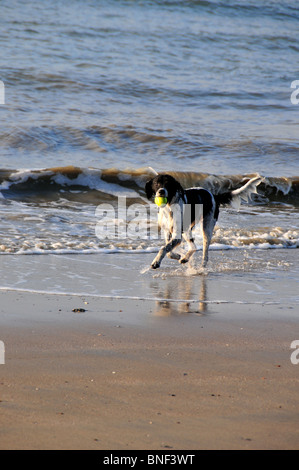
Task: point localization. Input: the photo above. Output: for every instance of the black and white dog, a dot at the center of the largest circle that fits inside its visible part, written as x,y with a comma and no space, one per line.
183,209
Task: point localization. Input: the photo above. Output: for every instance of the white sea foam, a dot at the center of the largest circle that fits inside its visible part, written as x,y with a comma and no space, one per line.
81,248
91,179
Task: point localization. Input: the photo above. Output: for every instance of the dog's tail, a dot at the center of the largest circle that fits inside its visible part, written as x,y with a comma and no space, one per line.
233,198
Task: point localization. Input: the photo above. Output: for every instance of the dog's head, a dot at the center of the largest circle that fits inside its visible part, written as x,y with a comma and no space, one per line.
164,186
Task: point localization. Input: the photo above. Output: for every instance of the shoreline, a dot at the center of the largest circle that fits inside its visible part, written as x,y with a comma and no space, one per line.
152,375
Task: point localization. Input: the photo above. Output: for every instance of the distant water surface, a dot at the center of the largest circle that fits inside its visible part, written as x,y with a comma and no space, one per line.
198,85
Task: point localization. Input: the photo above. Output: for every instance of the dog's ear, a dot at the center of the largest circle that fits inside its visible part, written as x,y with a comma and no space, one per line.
149,189
173,187
179,187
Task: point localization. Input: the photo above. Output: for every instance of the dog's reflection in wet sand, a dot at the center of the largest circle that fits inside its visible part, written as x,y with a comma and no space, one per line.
180,296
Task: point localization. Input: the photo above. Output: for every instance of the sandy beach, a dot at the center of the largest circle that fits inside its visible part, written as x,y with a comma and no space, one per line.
97,350
129,373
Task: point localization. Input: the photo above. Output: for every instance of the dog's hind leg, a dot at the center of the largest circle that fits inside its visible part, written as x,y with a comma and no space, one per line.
192,247
207,232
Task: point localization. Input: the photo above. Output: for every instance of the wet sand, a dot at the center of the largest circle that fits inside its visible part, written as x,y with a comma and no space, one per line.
128,373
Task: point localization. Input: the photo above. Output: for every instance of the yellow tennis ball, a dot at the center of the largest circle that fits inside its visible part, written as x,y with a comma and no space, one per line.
161,201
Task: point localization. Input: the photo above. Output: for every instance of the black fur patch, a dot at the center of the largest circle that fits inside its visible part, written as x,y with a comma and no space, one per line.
199,196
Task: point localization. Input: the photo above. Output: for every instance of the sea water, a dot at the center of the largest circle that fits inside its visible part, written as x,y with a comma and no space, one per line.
98,96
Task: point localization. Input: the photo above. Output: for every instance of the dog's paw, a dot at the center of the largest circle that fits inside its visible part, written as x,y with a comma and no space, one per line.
155,265
184,260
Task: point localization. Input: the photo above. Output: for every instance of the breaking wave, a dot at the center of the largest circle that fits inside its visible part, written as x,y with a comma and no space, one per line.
55,210
54,183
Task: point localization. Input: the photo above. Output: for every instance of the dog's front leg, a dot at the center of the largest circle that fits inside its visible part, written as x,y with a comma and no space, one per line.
171,254
171,221
171,245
